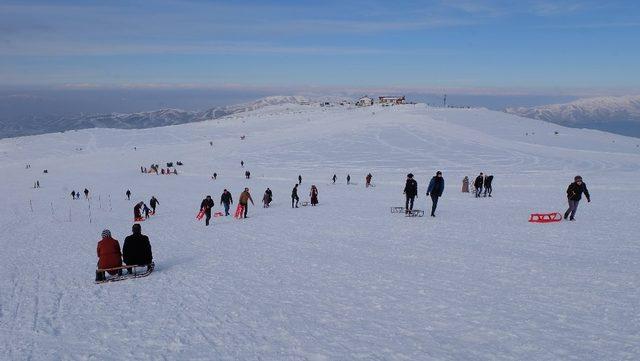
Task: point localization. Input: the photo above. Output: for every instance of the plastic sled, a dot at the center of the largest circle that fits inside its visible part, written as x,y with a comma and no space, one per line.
218,214
397,209
138,271
415,213
140,219
545,217
239,212
200,214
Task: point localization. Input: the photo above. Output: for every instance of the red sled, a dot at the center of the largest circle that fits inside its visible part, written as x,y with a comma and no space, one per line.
545,217
138,219
200,215
239,211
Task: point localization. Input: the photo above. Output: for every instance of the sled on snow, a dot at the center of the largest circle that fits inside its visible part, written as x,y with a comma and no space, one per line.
200,215
239,212
415,213
304,204
138,219
545,217
123,273
397,209
218,214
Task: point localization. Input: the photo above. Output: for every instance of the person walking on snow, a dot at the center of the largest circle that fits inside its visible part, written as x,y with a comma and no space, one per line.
245,197
226,201
465,185
242,163
348,179
128,194
487,185
137,249
314,195
153,202
267,198
215,176
368,180
109,255
206,205
435,189
574,194
146,211
410,192
299,179
334,179
294,196
86,193
73,194
478,184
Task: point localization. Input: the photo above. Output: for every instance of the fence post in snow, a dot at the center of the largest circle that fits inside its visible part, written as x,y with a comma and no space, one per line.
89,212
99,202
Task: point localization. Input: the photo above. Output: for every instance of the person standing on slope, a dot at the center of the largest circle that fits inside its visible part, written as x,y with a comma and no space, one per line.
73,194
478,184
411,192
294,196
368,180
334,179
435,189
267,198
206,205
245,197
153,202
574,194
348,179
86,193
465,185
299,179
226,199
109,255
314,195
137,249
137,214
128,194
146,211
487,185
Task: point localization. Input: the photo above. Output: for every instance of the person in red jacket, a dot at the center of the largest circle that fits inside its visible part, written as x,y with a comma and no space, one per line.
109,255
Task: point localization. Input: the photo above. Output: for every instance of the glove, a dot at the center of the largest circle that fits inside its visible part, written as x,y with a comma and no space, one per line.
427,194
588,200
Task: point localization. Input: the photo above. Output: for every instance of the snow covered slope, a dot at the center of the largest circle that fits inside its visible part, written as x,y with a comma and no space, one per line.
342,281
616,114
150,119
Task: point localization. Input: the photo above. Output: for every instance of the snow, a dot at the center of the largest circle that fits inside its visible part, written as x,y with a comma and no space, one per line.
341,281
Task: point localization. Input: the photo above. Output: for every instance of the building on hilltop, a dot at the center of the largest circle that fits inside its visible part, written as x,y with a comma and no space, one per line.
365,101
391,100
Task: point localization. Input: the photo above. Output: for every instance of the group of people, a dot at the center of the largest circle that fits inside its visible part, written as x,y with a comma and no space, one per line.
155,168
295,199
226,199
76,195
482,185
142,207
335,177
434,190
136,251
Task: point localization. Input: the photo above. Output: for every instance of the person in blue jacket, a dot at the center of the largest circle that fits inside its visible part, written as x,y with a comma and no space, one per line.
436,187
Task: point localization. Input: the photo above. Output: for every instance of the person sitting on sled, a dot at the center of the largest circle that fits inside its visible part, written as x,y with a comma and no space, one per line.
109,255
137,249
137,214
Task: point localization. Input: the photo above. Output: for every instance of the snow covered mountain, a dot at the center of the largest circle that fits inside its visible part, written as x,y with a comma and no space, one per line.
140,120
615,114
344,280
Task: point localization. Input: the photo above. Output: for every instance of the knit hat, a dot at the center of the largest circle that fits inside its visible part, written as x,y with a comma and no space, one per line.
106,233
577,178
410,175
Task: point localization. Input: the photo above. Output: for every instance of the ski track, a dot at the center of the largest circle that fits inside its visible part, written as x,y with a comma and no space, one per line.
344,280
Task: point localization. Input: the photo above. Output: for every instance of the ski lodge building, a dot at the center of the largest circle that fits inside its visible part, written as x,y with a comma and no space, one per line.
365,101
391,100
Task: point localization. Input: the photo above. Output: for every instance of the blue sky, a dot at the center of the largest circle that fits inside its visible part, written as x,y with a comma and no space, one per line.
481,46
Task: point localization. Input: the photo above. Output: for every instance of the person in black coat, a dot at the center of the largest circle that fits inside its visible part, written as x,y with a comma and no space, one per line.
487,185
478,184
436,187
226,199
299,179
206,205
294,196
574,194
153,202
411,192
137,249
128,194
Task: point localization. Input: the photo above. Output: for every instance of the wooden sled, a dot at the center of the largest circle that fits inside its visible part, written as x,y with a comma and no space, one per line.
304,204
397,209
545,217
125,275
415,213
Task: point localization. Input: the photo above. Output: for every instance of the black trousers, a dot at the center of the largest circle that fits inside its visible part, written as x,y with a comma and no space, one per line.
208,214
408,204
434,204
294,199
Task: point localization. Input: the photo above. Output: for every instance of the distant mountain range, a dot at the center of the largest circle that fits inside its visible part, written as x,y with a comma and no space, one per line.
158,118
612,114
